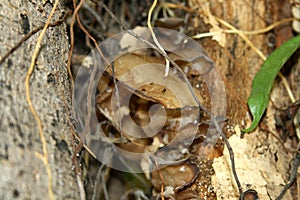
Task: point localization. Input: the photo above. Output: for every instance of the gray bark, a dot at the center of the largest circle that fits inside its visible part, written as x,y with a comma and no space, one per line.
23,174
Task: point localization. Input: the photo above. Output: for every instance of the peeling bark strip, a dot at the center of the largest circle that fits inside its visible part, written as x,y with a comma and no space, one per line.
23,174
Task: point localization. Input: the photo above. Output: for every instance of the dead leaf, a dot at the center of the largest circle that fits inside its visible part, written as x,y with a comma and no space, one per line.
144,75
130,43
169,22
176,176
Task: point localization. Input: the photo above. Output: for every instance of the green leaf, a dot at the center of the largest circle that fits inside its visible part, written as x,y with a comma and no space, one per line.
264,79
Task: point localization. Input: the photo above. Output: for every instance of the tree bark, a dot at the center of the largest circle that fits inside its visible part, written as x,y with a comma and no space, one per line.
23,174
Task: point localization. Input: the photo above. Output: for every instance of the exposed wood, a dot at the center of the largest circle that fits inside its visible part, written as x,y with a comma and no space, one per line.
261,161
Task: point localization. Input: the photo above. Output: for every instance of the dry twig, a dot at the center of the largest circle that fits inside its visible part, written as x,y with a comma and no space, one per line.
155,39
44,155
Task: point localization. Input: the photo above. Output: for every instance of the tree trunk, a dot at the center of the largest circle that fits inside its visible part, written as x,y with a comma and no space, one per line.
23,174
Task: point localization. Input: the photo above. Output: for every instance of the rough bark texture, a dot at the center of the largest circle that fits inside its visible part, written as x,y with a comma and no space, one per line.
23,174
261,162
